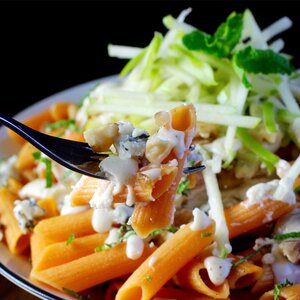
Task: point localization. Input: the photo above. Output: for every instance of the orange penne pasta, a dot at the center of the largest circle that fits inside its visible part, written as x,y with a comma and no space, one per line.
265,282
92,269
25,157
287,293
17,241
58,229
50,207
165,262
73,136
180,294
144,189
37,244
14,185
241,219
59,110
52,256
194,276
84,190
34,122
244,275
160,213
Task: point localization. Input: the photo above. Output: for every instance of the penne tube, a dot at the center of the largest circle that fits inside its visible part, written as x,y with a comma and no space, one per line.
51,255
73,136
90,270
17,241
85,188
37,244
265,282
194,276
144,189
59,110
50,206
286,293
25,158
14,185
160,213
241,219
34,122
165,262
58,229
244,275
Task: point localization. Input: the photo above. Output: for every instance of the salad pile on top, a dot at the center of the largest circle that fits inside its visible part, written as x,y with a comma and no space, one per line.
245,91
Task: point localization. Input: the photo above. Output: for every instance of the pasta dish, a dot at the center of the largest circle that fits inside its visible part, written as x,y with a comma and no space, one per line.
228,100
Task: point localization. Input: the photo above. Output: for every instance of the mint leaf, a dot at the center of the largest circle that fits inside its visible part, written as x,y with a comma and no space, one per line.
284,236
256,61
223,41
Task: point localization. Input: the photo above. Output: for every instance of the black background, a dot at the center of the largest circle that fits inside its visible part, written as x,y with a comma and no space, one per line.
49,46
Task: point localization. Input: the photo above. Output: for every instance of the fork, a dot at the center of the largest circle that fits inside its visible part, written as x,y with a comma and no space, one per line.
76,156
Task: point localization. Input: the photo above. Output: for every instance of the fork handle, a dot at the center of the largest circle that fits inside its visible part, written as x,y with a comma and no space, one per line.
24,131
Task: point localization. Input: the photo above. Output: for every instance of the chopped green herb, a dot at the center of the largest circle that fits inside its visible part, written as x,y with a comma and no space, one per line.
67,124
284,236
205,234
70,239
148,278
223,253
171,229
124,228
297,189
48,163
183,186
279,286
125,236
74,294
222,42
249,256
262,61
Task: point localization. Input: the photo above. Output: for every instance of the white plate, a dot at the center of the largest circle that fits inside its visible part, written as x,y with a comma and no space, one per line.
17,268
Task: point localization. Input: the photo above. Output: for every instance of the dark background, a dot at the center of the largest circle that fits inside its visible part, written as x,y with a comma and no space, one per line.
49,46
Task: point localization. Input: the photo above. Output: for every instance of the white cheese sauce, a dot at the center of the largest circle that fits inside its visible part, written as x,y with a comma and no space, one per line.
217,268
102,219
67,208
263,191
103,196
113,236
151,262
134,247
37,189
201,220
120,171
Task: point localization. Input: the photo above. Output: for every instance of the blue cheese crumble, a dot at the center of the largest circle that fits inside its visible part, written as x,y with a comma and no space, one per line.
27,212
